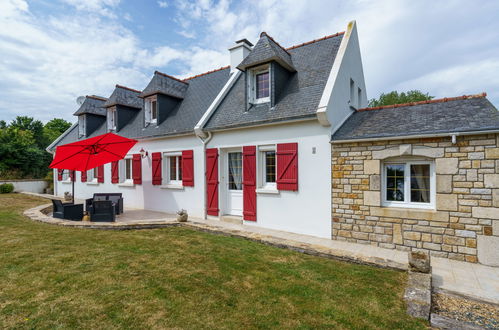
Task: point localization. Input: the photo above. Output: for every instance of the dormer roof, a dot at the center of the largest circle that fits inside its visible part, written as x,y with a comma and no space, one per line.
124,96
162,83
267,50
92,105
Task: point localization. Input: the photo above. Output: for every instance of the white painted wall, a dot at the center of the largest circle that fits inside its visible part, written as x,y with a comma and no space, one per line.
145,195
308,210
36,186
334,104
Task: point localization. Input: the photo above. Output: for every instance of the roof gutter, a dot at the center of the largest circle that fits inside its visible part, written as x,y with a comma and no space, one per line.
418,136
198,129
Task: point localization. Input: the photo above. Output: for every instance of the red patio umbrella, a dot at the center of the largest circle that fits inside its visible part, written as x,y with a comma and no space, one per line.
87,154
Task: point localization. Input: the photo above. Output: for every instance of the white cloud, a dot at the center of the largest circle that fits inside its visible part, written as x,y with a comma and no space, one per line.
100,7
162,4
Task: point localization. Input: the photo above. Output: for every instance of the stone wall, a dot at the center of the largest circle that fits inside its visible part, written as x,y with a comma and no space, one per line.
463,226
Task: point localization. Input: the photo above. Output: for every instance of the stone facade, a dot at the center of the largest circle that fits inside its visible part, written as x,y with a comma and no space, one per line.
467,197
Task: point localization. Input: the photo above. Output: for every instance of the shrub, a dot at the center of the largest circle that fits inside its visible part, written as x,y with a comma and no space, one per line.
6,188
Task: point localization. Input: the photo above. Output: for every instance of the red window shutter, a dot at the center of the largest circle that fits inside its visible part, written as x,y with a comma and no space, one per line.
72,175
59,174
100,174
287,166
137,169
83,176
188,168
115,176
249,183
212,181
156,168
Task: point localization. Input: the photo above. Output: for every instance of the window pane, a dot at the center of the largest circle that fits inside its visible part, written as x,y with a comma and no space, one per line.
269,166
154,111
128,169
179,167
395,182
235,171
173,168
262,85
420,183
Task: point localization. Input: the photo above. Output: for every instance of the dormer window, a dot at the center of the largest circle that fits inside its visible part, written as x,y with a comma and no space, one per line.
81,126
259,84
151,110
111,119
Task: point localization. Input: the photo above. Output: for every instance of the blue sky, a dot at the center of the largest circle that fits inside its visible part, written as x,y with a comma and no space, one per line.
52,51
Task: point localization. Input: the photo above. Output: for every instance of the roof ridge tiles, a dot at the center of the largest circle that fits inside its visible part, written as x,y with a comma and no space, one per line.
268,36
171,77
128,88
208,72
316,40
441,100
95,97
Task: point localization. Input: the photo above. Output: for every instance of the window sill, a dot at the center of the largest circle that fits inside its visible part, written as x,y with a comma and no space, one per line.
423,208
93,183
267,191
172,186
126,184
67,182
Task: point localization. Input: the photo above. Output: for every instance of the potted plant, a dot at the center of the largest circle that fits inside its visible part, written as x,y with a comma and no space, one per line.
182,215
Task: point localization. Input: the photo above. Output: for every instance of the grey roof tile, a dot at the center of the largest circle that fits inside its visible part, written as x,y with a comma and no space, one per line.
462,114
92,104
165,84
313,62
266,50
124,96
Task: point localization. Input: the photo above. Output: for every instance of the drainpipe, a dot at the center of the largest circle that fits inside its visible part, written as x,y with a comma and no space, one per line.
204,142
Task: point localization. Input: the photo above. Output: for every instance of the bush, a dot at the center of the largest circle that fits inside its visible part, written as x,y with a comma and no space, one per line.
6,188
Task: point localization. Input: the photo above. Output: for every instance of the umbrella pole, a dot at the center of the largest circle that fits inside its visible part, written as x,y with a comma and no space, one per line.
73,186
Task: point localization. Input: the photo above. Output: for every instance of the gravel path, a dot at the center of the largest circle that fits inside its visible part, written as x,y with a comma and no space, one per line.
482,314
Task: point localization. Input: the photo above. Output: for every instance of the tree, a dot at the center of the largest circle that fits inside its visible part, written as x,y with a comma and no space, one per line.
26,123
54,128
395,97
3,124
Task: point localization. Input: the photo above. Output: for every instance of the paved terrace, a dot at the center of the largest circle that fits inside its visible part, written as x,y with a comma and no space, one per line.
471,280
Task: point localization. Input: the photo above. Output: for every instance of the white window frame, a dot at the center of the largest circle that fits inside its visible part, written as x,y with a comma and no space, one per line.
121,171
92,176
265,187
66,178
148,110
112,117
407,184
82,125
252,84
167,181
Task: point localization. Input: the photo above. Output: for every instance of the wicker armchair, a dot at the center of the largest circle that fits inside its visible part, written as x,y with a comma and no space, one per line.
67,211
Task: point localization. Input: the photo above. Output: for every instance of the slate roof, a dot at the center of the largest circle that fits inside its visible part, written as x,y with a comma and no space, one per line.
449,115
124,96
165,84
299,99
93,104
202,90
266,50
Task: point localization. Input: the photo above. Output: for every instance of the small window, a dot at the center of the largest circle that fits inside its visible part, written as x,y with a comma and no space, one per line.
92,175
173,168
65,175
409,184
151,110
259,87
267,167
81,125
111,119
125,170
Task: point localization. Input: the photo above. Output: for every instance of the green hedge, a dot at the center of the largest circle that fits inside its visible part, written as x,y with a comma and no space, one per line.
6,188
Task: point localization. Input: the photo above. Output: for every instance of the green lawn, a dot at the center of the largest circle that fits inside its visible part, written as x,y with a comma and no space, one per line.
55,277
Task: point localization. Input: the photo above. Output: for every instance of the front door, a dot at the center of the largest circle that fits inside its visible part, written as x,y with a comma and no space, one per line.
234,183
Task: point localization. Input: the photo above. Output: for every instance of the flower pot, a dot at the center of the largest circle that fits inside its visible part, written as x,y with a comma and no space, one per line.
182,217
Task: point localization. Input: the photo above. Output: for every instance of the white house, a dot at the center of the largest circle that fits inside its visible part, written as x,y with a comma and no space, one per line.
249,142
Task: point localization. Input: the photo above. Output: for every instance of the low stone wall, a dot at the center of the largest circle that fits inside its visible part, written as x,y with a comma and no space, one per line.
463,226
35,186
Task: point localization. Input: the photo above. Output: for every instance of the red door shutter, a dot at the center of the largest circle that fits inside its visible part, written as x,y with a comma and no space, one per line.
188,168
115,177
100,174
249,183
156,168
72,175
137,169
59,174
212,181
83,176
287,166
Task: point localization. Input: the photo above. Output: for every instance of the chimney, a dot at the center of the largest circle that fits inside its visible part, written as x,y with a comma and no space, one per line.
238,52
